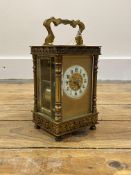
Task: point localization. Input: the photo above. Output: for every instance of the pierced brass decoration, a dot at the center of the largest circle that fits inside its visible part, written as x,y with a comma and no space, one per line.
56,21
58,129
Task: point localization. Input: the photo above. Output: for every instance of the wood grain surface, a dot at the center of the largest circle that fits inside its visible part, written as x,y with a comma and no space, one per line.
65,162
114,112
105,151
22,134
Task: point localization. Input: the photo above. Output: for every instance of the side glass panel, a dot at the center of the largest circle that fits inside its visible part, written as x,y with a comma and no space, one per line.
46,86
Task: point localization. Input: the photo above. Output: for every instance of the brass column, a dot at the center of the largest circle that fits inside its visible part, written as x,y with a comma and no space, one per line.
35,82
58,74
94,108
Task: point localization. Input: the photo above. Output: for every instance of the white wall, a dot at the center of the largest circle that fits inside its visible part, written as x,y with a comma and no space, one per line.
109,69
108,23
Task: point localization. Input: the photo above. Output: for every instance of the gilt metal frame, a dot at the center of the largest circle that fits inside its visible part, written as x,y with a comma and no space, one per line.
58,126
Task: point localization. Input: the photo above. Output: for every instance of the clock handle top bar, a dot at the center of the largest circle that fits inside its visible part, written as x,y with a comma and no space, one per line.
56,21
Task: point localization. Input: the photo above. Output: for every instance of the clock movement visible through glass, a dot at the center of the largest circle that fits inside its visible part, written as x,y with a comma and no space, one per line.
75,81
46,85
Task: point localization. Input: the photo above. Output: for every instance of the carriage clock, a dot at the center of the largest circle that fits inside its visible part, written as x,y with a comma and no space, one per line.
65,79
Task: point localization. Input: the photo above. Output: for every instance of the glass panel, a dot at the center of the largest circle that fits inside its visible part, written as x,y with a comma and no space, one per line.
45,69
46,94
45,85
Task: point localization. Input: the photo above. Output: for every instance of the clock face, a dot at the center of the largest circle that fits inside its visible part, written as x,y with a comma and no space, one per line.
75,81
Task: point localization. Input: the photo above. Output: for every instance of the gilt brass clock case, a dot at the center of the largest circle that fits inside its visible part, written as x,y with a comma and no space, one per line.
65,80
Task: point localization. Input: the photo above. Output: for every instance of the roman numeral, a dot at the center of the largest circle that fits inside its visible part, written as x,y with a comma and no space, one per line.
68,76
71,71
76,69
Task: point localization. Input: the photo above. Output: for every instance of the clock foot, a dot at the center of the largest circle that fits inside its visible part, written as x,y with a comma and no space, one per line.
36,126
93,127
58,138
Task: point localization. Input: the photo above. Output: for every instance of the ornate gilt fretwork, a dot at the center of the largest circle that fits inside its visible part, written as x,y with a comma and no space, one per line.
64,127
51,50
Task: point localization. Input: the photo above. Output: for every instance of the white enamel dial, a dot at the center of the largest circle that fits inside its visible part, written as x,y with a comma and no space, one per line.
75,81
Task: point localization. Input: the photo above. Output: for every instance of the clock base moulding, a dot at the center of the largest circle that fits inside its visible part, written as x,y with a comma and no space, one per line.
59,129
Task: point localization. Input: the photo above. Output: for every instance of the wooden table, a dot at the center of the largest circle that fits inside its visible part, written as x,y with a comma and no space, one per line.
25,150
